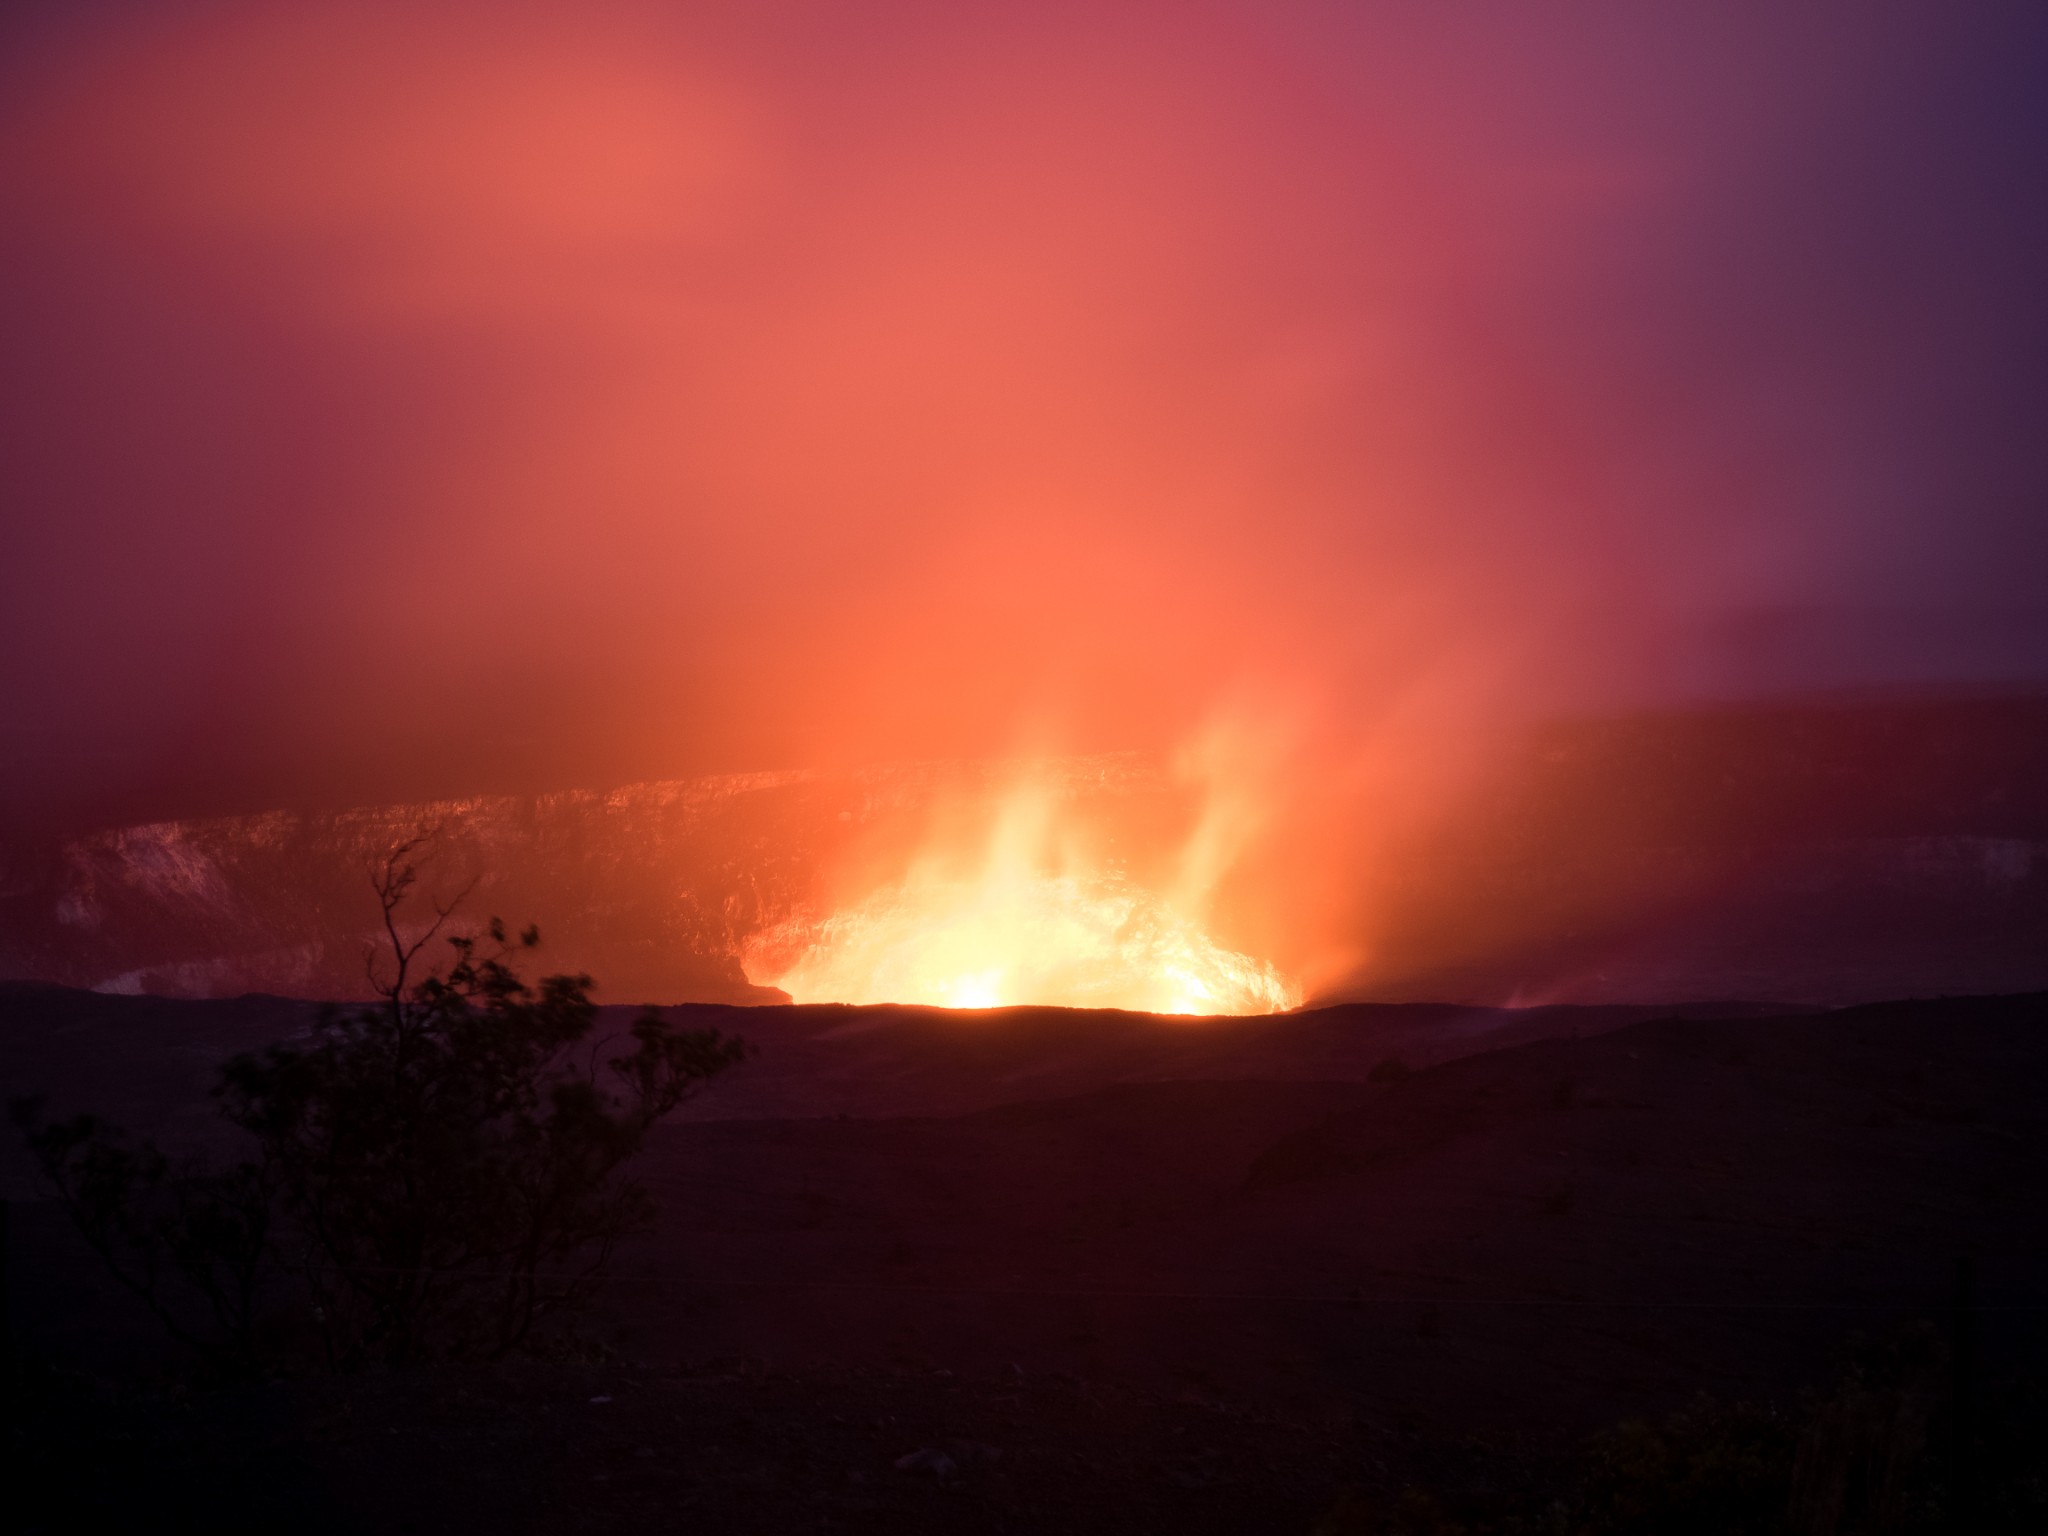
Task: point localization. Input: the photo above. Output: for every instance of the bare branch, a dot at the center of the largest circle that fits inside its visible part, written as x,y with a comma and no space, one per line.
393,885
441,916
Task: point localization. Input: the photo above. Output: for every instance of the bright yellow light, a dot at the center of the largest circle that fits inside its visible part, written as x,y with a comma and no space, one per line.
1026,926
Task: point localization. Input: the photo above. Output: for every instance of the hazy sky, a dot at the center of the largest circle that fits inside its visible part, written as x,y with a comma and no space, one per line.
425,396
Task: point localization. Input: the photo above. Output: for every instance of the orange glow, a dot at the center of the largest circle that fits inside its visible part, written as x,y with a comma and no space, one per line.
1031,911
429,397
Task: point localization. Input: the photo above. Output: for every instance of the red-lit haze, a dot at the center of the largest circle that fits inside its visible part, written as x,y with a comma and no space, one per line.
418,396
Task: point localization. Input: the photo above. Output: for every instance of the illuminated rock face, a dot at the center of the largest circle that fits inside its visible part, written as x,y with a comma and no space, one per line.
657,889
645,887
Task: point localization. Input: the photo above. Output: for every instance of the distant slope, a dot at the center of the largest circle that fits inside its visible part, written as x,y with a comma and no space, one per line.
1569,1226
150,1063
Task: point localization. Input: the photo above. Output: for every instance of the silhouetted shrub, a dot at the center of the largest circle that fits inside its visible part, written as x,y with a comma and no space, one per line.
1864,1459
1872,1456
436,1171
189,1240
1707,1471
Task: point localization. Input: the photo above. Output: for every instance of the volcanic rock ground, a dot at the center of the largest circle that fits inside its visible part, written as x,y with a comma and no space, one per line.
1080,1271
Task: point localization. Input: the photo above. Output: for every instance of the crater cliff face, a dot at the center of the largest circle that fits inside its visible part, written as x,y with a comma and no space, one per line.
652,888
644,887
1820,855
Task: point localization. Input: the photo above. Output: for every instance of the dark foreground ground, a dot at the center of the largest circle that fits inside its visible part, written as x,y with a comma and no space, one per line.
730,1446
1048,1272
